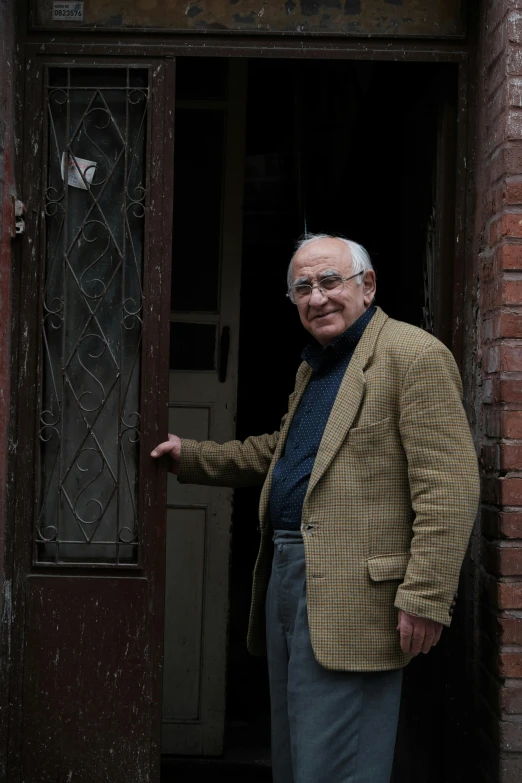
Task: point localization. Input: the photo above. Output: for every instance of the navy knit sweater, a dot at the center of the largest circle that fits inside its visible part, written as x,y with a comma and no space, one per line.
293,469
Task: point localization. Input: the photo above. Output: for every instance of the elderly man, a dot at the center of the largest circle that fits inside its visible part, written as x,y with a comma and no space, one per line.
370,489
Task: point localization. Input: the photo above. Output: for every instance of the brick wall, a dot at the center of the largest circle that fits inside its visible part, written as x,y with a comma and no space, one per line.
499,222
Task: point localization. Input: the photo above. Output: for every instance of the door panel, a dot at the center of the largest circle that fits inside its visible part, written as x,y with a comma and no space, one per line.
87,679
89,550
202,402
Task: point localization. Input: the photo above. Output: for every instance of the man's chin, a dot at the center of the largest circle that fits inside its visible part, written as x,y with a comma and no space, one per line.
326,334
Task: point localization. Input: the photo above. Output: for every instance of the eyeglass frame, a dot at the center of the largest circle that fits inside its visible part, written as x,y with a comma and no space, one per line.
326,294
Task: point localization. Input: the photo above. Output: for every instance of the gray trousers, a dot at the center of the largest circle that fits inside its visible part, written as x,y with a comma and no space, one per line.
327,726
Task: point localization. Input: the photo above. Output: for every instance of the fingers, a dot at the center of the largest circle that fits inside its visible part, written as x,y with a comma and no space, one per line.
163,448
172,446
429,638
417,634
405,628
438,633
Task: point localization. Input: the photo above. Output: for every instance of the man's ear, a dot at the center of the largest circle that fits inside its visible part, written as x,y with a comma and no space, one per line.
369,287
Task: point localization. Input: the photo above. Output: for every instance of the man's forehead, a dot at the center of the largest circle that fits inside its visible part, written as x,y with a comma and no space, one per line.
323,254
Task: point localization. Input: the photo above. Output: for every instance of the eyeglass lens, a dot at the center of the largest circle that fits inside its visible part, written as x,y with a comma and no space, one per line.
333,284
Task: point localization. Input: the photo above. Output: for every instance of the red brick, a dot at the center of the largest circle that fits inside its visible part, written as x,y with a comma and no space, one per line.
513,60
513,25
511,456
510,768
511,633
509,256
510,665
511,390
507,160
511,735
501,524
505,560
514,91
511,524
510,491
513,125
508,595
511,424
507,225
512,292
511,697
512,191
510,357
508,324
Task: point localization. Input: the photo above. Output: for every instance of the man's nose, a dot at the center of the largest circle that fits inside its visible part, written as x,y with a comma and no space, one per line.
317,297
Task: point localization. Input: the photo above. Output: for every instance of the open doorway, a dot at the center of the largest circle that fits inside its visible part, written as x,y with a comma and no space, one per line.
338,146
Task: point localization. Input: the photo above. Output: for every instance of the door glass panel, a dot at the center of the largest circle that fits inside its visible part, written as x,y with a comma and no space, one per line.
198,163
91,317
193,346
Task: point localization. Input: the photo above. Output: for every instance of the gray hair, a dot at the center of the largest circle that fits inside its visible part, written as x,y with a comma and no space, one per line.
361,261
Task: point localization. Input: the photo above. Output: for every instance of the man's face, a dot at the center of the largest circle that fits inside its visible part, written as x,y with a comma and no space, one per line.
326,317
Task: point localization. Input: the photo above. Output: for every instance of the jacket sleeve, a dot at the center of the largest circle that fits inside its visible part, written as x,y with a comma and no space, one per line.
233,464
444,483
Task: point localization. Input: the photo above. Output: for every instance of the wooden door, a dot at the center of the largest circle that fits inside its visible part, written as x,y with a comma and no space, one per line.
93,358
202,398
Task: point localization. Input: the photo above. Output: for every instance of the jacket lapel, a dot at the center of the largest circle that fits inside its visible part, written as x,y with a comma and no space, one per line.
348,400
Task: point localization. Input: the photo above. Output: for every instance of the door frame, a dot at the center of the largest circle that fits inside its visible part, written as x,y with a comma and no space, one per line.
169,47
317,47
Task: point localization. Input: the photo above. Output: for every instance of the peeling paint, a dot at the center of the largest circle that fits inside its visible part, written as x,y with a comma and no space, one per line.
377,17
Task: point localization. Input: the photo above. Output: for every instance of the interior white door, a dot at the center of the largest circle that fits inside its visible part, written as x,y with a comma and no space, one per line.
208,176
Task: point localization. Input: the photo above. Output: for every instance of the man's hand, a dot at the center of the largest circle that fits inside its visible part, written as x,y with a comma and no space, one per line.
417,633
172,447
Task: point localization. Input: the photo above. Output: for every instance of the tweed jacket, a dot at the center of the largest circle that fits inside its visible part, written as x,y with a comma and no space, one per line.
390,503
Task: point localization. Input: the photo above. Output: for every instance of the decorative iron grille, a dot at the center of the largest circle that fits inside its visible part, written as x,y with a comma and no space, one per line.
91,315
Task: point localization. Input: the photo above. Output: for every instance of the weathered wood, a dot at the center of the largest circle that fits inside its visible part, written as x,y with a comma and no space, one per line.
438,18
89,637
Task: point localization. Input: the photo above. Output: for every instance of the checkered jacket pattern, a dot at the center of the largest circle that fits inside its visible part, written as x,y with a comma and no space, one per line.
390,504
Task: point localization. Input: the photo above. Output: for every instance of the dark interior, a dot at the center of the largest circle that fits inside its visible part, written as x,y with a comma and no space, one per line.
343,147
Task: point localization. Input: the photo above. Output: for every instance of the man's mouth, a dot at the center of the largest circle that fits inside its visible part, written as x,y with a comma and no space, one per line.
323,315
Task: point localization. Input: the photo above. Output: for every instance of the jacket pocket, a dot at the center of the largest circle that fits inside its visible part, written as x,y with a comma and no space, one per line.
370,432
382,568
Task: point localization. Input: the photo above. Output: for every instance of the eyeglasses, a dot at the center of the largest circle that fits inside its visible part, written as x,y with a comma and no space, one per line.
328,286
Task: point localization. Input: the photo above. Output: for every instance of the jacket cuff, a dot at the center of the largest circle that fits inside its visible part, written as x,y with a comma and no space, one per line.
429,610
189,469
